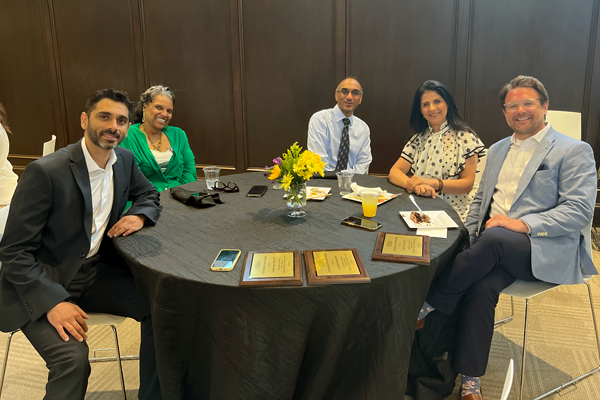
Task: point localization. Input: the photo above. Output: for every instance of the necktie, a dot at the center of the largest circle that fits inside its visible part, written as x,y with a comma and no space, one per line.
342,159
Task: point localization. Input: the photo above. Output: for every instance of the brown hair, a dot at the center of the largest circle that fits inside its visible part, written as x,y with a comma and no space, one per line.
3,119
527,82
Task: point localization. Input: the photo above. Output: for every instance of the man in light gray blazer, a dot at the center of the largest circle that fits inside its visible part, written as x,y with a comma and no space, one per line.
536,196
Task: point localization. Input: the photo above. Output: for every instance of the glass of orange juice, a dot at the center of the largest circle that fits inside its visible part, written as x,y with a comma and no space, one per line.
369,198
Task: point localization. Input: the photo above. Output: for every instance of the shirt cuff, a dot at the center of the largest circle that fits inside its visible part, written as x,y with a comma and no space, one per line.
528,227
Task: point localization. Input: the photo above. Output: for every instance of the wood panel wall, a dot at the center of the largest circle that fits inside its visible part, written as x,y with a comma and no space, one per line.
248,74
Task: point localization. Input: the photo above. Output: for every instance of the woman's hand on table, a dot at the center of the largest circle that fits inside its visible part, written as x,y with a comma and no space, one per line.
424,190
415,181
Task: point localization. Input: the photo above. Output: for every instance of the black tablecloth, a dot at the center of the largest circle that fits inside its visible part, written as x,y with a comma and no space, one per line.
216,340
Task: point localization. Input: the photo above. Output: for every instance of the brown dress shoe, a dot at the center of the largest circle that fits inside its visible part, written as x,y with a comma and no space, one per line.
471,396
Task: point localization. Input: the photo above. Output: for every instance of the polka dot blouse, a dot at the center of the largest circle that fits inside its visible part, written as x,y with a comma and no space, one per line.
442,155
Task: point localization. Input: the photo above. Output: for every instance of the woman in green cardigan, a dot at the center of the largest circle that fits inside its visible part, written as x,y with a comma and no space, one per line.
162,152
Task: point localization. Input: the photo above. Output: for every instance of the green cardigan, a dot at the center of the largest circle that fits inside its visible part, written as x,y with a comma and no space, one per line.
181,168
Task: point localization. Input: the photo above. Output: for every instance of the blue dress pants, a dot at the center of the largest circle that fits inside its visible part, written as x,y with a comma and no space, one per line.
496,259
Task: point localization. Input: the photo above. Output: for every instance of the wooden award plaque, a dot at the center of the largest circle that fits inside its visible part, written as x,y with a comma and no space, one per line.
248,280
328,274
402,247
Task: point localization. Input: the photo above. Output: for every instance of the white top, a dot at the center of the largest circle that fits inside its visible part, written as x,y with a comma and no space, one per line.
8,179
162,158
516,160
442,155
324,135
102,185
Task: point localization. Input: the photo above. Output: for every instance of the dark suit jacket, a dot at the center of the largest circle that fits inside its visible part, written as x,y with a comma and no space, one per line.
48,232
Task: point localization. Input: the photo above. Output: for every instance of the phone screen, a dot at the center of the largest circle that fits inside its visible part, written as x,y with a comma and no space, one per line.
257,190
226,260
362,223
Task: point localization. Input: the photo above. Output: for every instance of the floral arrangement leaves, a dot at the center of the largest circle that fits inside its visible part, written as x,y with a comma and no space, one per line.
295,167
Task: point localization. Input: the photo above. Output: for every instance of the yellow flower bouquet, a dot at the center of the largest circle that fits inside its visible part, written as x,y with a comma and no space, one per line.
292,170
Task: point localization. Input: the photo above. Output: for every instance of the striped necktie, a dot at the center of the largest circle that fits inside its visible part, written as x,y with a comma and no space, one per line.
342,159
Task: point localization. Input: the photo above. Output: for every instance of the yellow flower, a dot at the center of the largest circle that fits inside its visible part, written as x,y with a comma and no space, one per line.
286,181
275,172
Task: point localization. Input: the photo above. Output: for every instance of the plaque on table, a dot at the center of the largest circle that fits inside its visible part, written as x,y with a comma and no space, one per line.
402,247
272,268
337,266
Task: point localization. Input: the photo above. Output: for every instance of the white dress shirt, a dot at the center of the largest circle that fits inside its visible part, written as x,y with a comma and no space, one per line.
8,179
102,186
516,160
324,135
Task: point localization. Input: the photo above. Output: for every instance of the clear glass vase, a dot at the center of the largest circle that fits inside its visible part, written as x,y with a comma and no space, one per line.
296,199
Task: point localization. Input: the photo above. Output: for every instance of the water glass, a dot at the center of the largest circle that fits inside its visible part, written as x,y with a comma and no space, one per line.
344,181
211,174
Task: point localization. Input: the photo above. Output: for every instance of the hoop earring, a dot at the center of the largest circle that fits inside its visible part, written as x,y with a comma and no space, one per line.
143,117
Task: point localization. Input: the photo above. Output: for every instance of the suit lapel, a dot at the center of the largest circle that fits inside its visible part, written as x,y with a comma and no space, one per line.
80,174
534,162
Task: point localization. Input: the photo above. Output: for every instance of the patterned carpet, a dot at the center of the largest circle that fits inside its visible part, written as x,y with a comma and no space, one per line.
561,345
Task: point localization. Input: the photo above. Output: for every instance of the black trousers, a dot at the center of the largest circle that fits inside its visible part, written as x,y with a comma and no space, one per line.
97,287
478,275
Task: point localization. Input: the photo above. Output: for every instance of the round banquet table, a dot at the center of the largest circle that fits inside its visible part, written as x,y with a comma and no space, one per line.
216,340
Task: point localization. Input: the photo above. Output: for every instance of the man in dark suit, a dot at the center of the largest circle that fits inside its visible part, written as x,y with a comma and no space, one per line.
57,257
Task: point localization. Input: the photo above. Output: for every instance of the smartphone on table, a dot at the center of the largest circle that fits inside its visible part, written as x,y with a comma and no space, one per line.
226,260
257,191
361,223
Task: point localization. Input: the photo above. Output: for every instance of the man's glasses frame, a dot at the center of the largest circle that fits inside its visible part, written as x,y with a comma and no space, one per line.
229,187
527,104
346,92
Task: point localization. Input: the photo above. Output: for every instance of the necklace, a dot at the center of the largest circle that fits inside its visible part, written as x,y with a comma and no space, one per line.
154,146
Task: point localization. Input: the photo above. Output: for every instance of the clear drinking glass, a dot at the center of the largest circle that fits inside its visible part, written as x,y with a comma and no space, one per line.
211,174
344,181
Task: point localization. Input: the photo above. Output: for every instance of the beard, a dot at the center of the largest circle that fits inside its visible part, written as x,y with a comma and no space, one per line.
96,138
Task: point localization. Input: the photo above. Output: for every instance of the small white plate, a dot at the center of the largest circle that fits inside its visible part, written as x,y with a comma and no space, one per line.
439,219
383,197
316,193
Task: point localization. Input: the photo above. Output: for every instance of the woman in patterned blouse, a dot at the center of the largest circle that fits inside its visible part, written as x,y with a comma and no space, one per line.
442,154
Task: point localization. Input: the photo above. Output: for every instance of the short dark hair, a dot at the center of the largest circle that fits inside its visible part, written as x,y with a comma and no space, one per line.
148,97
111,94
525,82
351,77
419,124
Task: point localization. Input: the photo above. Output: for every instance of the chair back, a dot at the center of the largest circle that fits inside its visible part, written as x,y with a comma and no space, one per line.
49,146
509,380
3,218
566,122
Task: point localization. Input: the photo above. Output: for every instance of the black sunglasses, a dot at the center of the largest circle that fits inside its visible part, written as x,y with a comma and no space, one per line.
226,187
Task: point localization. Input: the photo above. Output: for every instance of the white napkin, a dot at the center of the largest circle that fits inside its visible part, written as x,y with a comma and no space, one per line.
438,233
356,189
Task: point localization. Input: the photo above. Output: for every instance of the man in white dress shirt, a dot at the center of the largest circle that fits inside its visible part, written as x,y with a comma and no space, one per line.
58,260
341,139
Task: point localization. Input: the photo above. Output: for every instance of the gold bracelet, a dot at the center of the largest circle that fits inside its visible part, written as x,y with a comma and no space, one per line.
441,185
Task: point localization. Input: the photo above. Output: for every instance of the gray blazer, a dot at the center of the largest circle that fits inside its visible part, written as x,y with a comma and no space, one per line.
48,231
555,197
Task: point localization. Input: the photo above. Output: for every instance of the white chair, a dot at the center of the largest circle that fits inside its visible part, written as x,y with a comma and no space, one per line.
95,319
508,380
3,218
49,146
527,290
566,122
